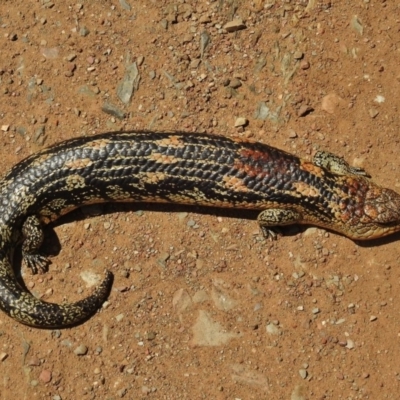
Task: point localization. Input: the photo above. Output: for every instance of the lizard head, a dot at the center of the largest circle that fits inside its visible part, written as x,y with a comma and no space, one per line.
380,214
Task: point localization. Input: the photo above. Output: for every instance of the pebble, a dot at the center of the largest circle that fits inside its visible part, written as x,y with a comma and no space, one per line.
107,225
304,110
33,362
3,356
272,329
204,42
292,134
235,83
81,350
66,343
373,318
304,65
195,63
303,373
45,376
241,121
125,5
113,110
205,19
129,83
263,112
164,24
83,31
234,25
140,60
357,25
119,317
331,102
373,112
298,55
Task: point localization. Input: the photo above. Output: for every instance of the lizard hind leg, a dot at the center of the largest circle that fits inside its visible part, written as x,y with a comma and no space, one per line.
33,236
271,218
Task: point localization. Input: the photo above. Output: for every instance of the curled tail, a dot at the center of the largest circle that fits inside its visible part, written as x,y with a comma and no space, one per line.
27,309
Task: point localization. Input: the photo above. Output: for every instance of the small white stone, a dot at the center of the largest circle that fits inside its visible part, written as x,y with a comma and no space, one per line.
303,373
241,121
272,329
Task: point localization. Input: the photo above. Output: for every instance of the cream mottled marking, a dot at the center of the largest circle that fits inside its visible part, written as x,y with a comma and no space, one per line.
75,182
152,177
78,163
55,204
116,193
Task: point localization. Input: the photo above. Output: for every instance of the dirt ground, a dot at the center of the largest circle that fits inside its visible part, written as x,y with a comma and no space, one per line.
202,306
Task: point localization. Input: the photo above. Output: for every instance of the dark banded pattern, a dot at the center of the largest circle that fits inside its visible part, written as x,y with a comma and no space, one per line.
181,168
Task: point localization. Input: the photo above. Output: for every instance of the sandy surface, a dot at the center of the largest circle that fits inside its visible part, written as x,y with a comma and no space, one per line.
202,306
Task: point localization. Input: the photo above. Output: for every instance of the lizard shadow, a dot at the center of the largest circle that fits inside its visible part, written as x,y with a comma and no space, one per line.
52,246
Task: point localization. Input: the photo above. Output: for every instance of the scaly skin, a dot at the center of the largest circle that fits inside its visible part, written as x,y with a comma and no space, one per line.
178,168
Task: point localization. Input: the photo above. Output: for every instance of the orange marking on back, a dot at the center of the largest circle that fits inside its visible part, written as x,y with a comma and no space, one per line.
310,167
174,141
252,170
98,144
231,182
163,158
306,190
